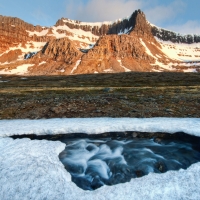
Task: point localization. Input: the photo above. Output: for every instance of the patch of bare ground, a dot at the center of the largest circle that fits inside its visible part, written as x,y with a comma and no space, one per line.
100,95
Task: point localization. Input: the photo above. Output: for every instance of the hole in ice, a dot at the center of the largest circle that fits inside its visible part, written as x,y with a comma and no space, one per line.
112,158
93,163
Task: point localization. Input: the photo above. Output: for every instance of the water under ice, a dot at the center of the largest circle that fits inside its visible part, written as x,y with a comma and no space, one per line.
93,163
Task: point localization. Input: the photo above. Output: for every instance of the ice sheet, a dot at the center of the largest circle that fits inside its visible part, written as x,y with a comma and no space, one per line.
99,125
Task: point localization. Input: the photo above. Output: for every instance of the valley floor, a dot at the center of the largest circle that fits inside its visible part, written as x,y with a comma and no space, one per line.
106,95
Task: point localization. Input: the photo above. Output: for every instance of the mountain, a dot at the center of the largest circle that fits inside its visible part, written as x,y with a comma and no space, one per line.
75,47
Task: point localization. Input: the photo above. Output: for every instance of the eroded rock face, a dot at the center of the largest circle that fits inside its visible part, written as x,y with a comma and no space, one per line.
14,31
57,57
61,50
112,52
10,56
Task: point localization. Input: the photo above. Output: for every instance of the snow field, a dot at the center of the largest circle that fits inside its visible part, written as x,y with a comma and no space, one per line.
98,125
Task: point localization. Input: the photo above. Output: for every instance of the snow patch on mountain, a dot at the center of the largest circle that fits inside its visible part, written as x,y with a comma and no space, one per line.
125,31
43,62
92,24
125,69
76,66
147,49
20,70
180,51
42,33
75,34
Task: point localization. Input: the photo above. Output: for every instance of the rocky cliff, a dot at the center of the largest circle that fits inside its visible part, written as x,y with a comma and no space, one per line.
167,35
14,31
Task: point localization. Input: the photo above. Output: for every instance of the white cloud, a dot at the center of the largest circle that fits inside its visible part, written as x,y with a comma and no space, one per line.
190,27
103,10
161,13
164,13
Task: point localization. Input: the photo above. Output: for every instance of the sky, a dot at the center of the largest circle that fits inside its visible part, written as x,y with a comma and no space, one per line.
181,16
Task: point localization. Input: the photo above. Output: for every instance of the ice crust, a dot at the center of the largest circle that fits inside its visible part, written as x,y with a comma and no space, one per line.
98,125
32,169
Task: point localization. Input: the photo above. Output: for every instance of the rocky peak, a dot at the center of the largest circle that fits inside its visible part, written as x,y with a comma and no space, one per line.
140,25
137,22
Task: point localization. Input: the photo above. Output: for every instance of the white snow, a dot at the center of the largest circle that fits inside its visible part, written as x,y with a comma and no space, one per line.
126,69
99,125
76,34
108,70
125,31
37,46
43,62
76,66
180,51
32,170
146,48
93,24
20,70
190,70
170,65
161,65
169,48
42,33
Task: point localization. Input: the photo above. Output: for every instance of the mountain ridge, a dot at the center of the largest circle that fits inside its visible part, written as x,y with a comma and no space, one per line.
130,44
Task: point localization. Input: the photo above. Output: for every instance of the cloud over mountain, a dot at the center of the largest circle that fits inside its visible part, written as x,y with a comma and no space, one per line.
104,10
192,27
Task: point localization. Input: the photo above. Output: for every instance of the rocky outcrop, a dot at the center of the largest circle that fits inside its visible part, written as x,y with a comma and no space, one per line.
10,56
114,53
61,50
167,35
58,56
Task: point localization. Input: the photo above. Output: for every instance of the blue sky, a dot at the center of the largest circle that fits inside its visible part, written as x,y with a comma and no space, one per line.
178,15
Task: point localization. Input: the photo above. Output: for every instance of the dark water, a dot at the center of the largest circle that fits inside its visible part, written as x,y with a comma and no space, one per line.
95,162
